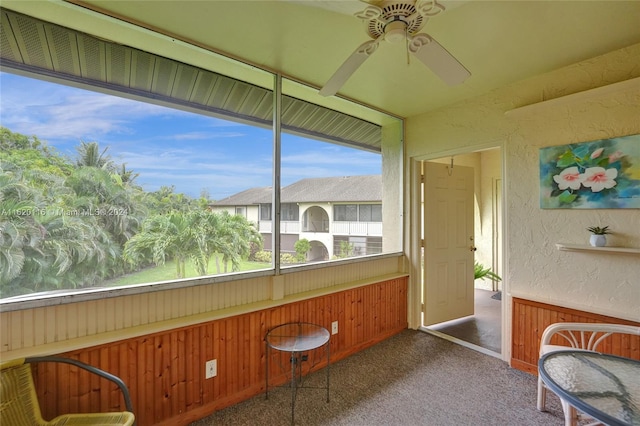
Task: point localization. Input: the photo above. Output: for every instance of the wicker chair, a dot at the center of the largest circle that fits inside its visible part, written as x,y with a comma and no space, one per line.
584,336
19,402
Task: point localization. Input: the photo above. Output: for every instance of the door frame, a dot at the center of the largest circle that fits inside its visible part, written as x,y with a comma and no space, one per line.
414,197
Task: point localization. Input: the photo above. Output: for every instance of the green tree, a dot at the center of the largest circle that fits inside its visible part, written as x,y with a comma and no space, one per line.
117,207
20,234
54,233
198,235
237,235
89,155
302,247
166,200
11,141
346,250
31,155
127,176
44,244
163,237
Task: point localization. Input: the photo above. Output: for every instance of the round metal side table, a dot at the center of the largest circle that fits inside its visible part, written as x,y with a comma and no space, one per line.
297,338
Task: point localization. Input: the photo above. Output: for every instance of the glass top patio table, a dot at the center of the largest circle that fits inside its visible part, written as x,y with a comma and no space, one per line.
297,337
606,387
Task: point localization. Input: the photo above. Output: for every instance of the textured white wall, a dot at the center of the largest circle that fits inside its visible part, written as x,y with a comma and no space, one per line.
593,281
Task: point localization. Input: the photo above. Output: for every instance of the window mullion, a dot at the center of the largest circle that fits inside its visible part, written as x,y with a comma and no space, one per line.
277,150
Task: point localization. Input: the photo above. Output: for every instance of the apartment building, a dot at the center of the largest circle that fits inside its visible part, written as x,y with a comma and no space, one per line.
340,216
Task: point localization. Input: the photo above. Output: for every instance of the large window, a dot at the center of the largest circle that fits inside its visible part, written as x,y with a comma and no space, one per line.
370,213
133,185
289,211
357,212
345,213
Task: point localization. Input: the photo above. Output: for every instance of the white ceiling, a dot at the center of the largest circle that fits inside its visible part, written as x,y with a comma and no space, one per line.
499,42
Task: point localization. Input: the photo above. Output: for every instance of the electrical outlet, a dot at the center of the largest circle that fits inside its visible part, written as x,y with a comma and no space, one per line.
211,369
334,327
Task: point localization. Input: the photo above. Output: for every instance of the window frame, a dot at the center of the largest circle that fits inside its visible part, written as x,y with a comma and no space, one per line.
72,295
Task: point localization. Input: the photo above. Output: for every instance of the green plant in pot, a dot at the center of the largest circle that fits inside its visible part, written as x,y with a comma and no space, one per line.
598,235
480,272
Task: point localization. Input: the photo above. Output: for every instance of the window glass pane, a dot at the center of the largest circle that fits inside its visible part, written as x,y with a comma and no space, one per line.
100,190
364,213
346,212
370,213
329,179
265,211
289,211
321,178
376,213
352,212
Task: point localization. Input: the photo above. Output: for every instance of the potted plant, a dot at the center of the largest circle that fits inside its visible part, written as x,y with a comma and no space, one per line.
598,237
480,272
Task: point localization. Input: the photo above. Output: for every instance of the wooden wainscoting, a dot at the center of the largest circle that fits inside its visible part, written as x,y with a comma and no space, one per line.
531,318
165,371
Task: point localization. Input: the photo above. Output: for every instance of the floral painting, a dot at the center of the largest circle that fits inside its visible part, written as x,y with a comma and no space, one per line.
603,174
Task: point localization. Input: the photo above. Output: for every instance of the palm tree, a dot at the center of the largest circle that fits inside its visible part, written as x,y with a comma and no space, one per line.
163,237
79,252
198,235
89,155
127,177
236,235
102,194
20,233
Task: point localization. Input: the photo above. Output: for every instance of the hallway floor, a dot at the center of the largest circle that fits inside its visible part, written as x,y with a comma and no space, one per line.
483,328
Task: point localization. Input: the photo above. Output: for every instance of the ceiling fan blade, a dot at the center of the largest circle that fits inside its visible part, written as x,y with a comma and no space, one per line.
438,59
426,10
369,12
349,66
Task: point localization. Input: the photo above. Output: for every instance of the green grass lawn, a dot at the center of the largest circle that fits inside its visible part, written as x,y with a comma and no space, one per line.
168,272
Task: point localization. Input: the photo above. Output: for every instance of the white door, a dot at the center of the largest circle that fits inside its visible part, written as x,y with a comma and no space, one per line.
448,242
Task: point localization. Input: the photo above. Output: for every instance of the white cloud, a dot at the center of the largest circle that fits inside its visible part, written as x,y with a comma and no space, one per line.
54,111
168,146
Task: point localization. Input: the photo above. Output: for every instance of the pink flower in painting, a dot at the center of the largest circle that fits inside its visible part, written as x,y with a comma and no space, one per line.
597,178
569,178
596,153
615,156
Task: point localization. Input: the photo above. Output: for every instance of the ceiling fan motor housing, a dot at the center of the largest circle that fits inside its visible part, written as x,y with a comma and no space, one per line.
396,19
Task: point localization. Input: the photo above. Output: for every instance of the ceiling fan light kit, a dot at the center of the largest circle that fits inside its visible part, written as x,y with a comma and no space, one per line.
395,31
396,21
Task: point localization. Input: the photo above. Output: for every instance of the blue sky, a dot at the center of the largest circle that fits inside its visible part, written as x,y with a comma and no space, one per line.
166,146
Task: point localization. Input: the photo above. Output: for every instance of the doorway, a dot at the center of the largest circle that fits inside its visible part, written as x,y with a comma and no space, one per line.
482,329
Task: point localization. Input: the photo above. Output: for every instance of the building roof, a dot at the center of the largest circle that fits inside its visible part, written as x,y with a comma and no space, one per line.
246,197
366,188
334,189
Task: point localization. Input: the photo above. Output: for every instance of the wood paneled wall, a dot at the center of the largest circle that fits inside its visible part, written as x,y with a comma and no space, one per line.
531,318
139,311
165,372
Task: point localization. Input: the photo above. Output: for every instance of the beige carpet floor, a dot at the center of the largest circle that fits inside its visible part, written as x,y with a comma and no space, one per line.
410,379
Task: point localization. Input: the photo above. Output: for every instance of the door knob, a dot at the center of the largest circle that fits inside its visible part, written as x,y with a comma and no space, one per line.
472,248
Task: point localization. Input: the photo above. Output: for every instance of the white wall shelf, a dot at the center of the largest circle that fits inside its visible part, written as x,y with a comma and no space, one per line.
577,247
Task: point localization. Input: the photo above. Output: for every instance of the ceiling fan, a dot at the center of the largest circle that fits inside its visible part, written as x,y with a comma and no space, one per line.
396,21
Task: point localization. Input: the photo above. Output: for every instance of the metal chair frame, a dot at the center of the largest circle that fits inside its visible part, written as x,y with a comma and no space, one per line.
21,405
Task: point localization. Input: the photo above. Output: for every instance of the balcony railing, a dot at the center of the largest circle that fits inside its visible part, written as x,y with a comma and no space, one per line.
286,227
370,229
